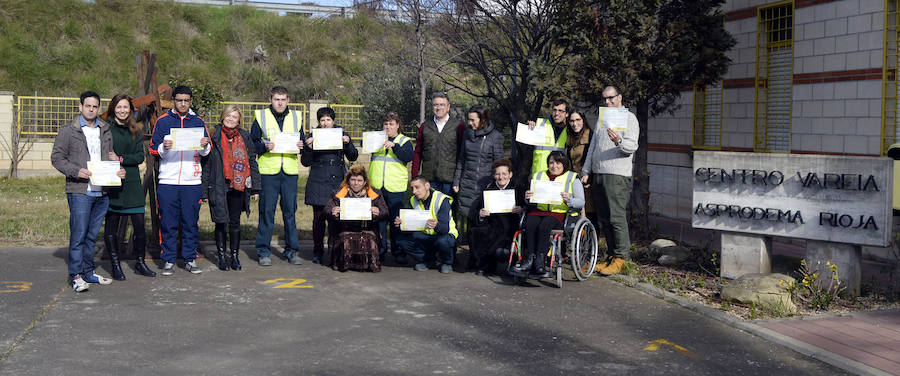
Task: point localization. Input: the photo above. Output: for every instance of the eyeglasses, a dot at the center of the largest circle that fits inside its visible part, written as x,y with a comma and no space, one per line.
610,97
183,100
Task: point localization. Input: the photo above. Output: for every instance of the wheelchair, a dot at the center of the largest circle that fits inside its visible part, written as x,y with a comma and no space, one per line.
576,244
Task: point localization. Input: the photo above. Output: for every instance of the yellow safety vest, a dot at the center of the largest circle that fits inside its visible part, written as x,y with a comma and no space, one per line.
388,171
571,177
437,200
271,163
539,156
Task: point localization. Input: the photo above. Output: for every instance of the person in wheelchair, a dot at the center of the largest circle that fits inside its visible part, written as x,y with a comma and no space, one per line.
490,233
541,219
354,243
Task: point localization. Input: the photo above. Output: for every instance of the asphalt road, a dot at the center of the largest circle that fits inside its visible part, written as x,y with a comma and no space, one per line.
316,321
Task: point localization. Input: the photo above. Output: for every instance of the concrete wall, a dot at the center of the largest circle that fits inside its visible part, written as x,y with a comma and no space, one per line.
37,159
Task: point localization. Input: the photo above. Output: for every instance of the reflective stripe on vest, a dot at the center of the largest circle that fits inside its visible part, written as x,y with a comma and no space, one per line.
387,171
540,154
571,177
271,163
437,200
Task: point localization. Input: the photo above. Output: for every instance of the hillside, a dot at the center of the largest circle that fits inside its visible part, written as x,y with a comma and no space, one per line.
62,47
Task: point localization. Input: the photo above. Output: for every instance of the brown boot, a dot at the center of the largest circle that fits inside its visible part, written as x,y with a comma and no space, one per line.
614,266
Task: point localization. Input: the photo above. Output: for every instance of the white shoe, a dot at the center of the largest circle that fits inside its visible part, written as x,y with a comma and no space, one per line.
168,269
192,267
96,278
78,284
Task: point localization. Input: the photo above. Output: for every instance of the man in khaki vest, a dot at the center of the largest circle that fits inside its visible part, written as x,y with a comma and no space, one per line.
278,172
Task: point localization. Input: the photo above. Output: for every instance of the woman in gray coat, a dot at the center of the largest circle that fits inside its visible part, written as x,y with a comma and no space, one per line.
230,176
482,145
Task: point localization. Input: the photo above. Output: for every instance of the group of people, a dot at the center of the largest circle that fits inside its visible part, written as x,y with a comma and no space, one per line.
453,163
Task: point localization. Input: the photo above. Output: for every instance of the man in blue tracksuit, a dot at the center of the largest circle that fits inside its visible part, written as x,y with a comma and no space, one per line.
179,193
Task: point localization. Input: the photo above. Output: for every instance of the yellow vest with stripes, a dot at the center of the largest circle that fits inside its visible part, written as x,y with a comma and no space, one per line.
539,157
271,163
437,200
570,179
387,171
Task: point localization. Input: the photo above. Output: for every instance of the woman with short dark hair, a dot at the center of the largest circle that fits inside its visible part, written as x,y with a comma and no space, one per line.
354,243
326,171
492,232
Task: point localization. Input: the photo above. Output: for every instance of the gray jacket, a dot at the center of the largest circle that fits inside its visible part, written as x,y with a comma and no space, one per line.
70,152
605,157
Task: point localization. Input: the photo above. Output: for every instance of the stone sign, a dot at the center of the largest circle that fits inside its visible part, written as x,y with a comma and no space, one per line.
829,198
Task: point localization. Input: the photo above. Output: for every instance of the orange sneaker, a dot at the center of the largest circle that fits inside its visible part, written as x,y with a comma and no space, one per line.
614,266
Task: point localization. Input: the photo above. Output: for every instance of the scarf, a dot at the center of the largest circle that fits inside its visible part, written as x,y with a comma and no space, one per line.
234,158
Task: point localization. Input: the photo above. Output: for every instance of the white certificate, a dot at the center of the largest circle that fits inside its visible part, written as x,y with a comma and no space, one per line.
500,201
286,143
356,209
536,136
186,138
615,118
547,191
413,220
104,173
372,141
328,138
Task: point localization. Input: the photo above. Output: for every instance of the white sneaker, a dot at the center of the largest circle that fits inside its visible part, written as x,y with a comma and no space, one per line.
168,269
78,284
96,278
192,267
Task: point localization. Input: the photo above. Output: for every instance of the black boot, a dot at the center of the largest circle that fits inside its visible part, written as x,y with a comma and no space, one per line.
219,235
524,266
140,247
235,248
112,247
539,270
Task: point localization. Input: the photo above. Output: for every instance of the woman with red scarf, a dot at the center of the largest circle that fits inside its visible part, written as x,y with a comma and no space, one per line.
230,179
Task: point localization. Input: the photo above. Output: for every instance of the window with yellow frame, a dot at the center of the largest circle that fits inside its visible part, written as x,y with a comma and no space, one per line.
707,123
774,77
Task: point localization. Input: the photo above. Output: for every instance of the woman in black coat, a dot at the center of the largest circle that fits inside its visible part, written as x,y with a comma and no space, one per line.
491,232
482,145
229,179
326,172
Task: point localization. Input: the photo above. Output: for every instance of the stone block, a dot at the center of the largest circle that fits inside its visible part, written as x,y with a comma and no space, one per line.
745,254
832,108
856,144
875,59
822,126
803,92
844,126
747,55
810,142
846,8
877,20
845,90
871,40
810,108
869,89
859,23
800,125
824,11
856,107
813,64
858,60
803,15
846,43
834,62
824,46
832,144
847,258
871,6
836,26
813,30
874,145
875,107
823,91
766,290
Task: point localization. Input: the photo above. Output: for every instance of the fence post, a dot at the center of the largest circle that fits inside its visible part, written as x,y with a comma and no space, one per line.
8,131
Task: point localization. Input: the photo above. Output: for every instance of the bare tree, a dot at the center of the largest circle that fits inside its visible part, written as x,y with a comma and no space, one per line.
16,147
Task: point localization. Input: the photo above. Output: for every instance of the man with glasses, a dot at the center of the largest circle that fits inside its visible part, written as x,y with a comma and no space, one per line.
179,193
608,166
529,160
437,144
278,172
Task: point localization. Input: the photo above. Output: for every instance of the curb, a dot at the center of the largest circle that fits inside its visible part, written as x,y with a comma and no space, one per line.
801,347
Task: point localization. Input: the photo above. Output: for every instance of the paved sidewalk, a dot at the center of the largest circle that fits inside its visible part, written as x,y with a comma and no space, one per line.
871,338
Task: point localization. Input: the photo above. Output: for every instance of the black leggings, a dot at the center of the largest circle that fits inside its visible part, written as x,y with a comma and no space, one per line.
537,233
137,222
235,201
318,230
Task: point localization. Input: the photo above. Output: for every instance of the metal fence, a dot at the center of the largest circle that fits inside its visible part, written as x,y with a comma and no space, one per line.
39,116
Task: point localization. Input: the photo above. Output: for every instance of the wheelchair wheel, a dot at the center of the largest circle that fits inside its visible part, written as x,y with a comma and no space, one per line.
515,255
556,261
584,249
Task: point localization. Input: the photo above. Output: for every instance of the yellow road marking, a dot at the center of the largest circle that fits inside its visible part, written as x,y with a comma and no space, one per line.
14,286
295,283
655,344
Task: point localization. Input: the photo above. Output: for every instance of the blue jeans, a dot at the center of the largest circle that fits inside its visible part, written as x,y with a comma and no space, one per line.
394,202
445,188
422,247
272,186
179,205
86,214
